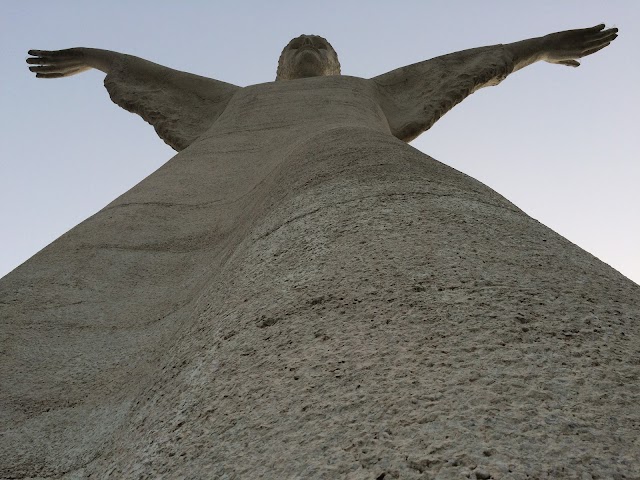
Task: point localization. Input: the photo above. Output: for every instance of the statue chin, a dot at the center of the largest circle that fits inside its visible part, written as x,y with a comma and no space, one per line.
306,69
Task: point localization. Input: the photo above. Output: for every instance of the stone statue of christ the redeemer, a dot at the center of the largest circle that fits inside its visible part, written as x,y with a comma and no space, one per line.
298,293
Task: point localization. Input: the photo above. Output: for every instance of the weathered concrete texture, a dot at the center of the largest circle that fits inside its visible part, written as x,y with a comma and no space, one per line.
324,302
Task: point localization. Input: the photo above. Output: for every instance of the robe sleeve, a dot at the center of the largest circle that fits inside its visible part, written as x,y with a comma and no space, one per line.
180,106
414,97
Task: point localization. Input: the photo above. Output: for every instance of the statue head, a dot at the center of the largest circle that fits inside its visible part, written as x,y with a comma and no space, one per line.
307,56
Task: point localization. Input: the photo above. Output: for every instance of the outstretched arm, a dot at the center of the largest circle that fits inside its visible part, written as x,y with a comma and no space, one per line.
181,106
562,48
414,97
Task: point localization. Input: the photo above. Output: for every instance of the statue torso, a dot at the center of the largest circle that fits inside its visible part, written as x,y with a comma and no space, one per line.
293,110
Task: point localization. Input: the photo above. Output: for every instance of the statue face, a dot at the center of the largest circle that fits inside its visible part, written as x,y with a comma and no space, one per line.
307,56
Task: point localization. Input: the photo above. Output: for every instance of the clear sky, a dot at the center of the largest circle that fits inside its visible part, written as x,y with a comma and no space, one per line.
560,143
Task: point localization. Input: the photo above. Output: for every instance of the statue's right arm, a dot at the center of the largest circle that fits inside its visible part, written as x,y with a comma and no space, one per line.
181,106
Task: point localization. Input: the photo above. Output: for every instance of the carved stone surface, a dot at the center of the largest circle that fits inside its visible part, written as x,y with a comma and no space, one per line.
300,294
330,303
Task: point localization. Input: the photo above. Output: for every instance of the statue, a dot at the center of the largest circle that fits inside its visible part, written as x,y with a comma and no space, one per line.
298,293
182,106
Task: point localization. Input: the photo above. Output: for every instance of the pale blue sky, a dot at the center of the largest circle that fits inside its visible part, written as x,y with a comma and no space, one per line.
560,143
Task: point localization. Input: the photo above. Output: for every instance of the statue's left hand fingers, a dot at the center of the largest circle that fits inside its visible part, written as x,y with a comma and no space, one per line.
603,37
592,45
596,28
605,33
593,50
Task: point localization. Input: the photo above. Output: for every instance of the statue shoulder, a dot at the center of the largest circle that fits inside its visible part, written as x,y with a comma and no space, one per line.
414,97
180,105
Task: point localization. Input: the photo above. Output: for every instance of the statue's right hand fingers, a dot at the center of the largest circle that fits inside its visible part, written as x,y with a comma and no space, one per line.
49,70
55,57
66,73
45,66
67,52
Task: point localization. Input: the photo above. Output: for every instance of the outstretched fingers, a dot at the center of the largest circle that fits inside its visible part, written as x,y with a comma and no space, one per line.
582,32
565,48
67,52
570,63
59,74
596,28
56,75
602,37
595,43
611,32
52,60
43,67
593,50
56,63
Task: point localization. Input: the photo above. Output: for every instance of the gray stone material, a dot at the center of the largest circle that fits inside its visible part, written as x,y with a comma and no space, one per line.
300,294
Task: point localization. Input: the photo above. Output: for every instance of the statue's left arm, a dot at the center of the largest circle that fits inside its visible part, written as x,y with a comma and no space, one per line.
414,97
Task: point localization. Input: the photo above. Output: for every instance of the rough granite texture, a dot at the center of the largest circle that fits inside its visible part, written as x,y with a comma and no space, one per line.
299,294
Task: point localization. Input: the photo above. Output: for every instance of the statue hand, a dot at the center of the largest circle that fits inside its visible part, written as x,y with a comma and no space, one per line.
58,63
64,63
564,48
